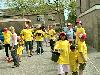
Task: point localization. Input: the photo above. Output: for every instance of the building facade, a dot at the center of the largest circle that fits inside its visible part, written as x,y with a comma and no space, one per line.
89,12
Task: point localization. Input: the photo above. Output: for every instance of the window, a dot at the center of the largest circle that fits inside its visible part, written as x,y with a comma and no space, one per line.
40,17
50,17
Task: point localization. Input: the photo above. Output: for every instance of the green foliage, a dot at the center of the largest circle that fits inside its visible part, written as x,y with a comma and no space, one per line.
34,6
72,8
23,6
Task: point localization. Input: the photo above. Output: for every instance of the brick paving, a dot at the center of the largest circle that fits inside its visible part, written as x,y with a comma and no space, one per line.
42,65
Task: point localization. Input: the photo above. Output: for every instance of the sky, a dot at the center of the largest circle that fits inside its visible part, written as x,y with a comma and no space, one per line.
3,5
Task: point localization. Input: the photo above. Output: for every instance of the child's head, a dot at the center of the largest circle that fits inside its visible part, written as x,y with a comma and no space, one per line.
62,36
20,44
82,37
73,48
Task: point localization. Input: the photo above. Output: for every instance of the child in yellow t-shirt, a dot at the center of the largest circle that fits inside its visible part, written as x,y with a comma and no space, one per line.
19,51
82,56
63,47
73,57
20,48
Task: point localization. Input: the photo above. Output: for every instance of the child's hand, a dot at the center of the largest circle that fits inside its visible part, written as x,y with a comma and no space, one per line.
77,61
84,60
58,50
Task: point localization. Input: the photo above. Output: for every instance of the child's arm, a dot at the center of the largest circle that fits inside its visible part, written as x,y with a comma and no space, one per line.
83,56
56,47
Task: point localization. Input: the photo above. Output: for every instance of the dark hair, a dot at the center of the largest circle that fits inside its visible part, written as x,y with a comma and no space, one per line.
72,47
27,22
78,22
43,28
64,39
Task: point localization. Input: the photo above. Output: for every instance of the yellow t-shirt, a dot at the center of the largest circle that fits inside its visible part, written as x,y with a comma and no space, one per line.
64,54
28,36
45,34
21,42
78,32
39,35
73,56
52,34
83,49
19,50
7,37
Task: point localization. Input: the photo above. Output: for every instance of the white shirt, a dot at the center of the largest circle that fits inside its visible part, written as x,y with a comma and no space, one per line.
14,41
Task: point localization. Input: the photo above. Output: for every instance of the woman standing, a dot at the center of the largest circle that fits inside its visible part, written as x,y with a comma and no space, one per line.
14,49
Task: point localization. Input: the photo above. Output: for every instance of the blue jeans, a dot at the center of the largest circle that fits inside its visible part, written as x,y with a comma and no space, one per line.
14,56
28,45
39,47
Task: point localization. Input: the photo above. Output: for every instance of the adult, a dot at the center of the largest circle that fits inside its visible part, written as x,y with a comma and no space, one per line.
52,36
69,32
7,37
45,34
79,30
39,34
28,37
14,49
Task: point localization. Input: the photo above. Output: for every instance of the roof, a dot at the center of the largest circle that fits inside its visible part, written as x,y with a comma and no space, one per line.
14,20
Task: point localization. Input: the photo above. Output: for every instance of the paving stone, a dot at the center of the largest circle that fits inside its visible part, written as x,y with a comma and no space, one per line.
42,65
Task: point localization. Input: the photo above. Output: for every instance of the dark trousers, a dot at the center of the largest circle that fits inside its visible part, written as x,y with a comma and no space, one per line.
39,47
15,56
28,45
52,44
7,47
74,73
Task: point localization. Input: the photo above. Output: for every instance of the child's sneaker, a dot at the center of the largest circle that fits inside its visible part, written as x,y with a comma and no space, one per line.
14,66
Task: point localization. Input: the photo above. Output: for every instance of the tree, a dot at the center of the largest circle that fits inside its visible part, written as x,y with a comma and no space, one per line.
23,7
72,9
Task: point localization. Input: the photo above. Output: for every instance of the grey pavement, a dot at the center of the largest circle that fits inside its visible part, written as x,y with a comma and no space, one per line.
93,64
42,65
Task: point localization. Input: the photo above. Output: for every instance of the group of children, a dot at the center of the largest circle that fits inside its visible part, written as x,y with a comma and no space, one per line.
73,56
27,37
15,45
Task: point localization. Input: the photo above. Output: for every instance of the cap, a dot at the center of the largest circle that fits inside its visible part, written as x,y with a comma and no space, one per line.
79,21
62,34
5,29
83,36
69,24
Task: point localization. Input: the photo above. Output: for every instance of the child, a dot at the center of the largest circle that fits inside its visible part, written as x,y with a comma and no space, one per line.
73,56
63,47
82,56
20,48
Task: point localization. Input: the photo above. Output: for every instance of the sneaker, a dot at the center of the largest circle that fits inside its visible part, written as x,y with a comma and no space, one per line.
29,55
14,66
38,53
7,58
